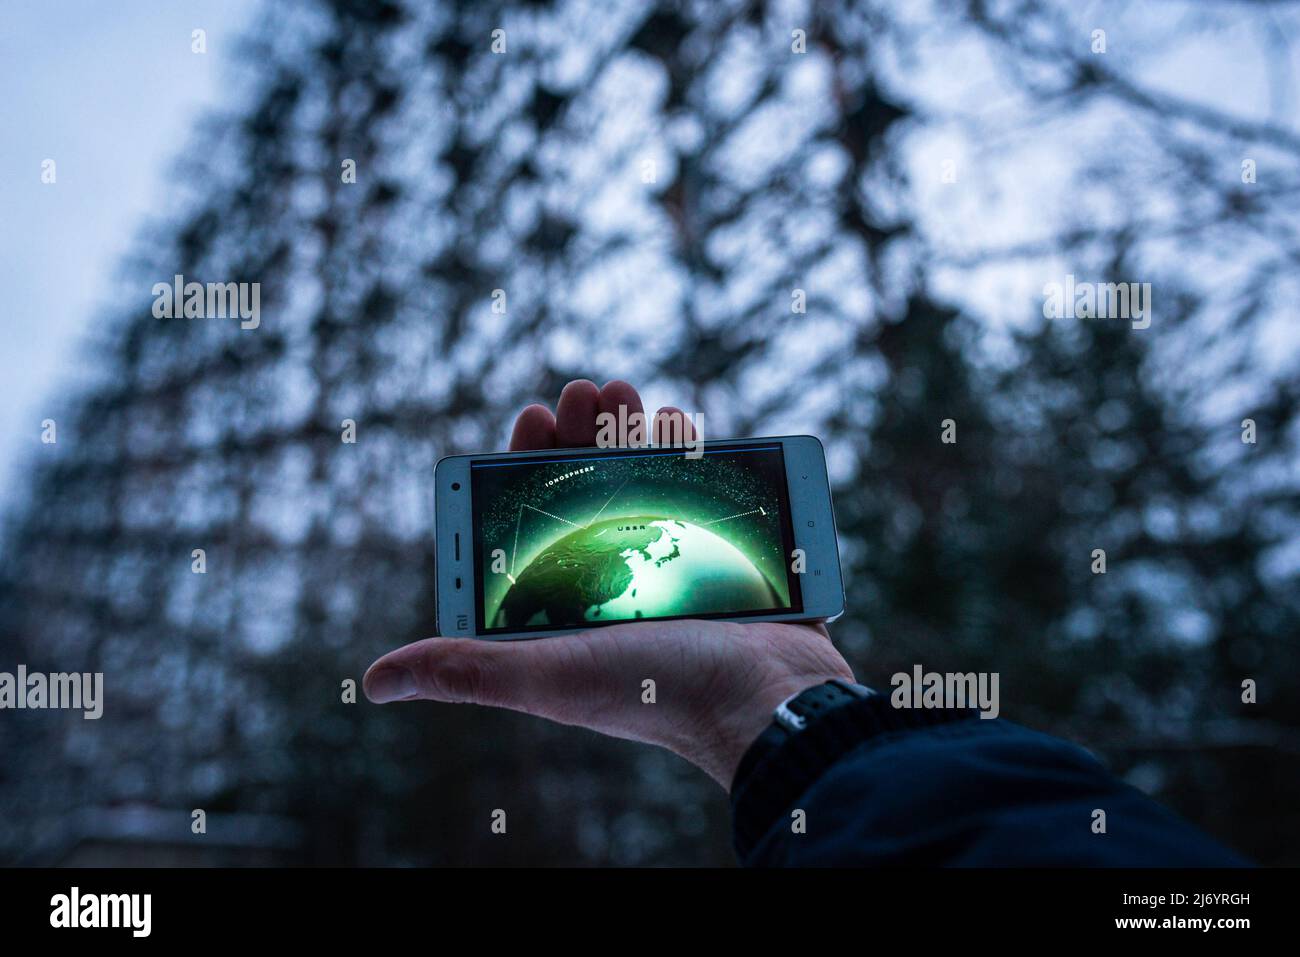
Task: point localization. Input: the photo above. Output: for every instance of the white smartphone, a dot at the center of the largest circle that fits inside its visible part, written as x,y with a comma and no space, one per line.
537,544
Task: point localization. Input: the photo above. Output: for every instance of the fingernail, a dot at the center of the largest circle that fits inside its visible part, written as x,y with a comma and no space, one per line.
390,684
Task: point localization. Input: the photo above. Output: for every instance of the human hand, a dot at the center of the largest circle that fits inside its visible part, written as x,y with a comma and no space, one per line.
716,682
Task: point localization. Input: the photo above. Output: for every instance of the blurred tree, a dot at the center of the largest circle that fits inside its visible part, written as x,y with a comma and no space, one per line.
646,191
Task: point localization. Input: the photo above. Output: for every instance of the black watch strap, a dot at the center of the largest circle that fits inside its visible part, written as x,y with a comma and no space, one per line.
784,761
793,715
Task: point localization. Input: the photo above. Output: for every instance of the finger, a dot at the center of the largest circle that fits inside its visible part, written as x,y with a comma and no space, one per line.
618,394
672,427
534,429
575,415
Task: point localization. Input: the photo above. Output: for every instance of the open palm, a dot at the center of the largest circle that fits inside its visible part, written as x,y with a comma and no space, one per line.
714,685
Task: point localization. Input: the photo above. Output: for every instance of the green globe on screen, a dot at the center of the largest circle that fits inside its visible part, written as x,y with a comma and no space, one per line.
635,567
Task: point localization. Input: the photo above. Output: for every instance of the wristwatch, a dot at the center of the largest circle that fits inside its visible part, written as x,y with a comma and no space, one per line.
809,733
795,714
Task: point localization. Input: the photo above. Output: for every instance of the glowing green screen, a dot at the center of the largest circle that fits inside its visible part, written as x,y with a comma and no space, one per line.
585,539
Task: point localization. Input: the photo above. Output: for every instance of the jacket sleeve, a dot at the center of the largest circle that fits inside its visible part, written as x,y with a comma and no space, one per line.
883,786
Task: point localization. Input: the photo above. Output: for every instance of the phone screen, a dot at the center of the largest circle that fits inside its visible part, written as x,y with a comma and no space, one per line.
624,535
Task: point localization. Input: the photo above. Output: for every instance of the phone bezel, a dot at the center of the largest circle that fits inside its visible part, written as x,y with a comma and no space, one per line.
811,514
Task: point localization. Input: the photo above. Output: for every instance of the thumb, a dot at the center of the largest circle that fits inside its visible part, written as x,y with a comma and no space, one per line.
558,678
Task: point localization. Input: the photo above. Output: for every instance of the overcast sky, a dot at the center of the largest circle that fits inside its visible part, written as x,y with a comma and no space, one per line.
110,97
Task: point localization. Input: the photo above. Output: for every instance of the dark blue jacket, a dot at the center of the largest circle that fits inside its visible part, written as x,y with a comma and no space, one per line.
882,786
